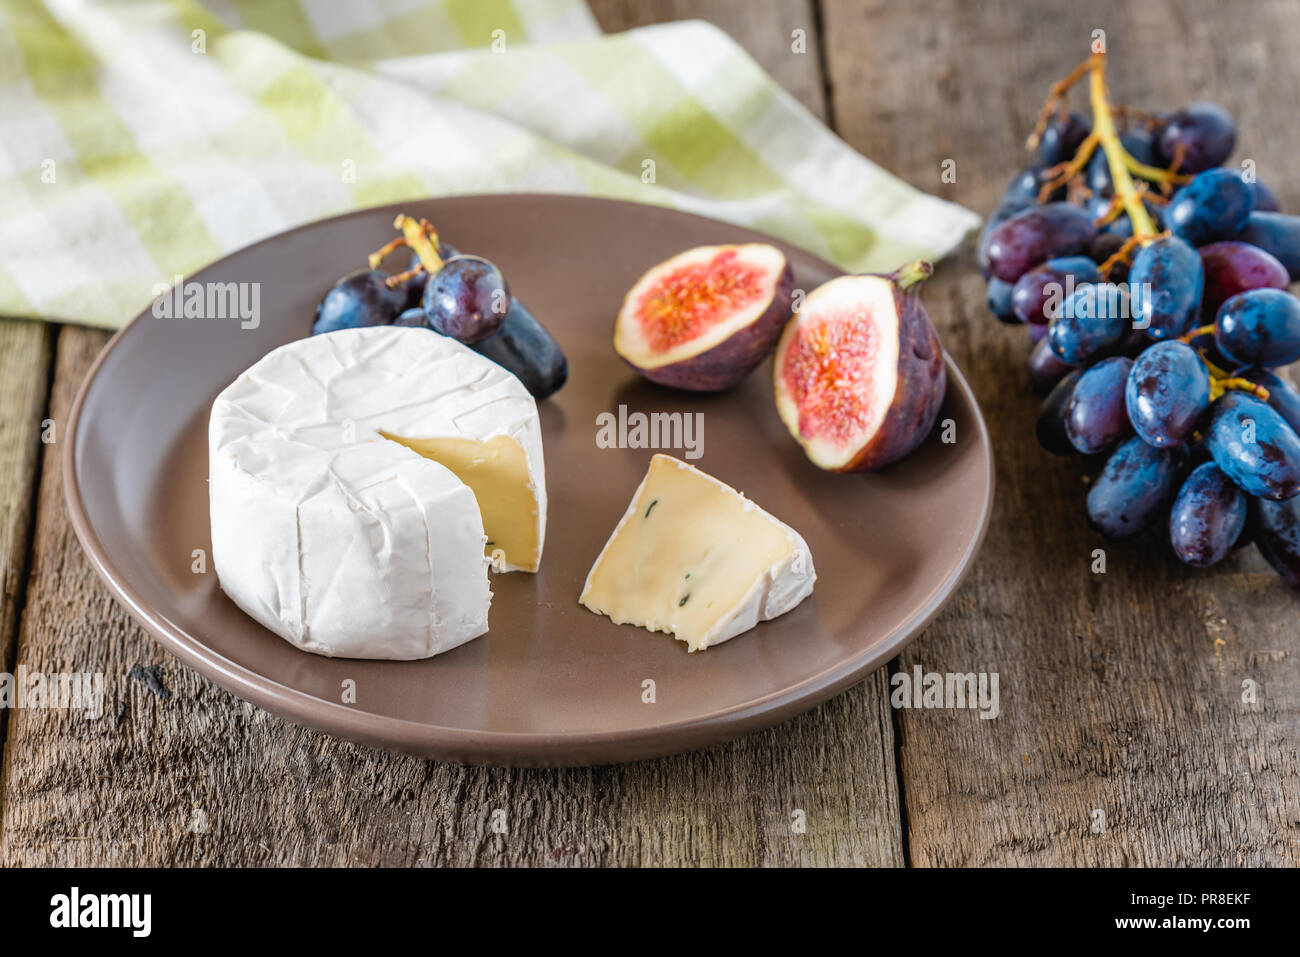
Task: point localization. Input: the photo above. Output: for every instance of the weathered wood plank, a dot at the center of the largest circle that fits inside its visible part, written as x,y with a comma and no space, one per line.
200,777
25,355
766,31
1121,693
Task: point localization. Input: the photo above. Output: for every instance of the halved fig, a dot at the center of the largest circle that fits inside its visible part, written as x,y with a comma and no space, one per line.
859,372
705,318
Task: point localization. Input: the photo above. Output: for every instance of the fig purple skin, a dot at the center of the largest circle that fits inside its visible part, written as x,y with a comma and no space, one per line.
1036,235
724,365
920,384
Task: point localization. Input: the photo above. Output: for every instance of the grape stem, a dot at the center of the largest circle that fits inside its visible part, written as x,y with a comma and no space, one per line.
1105,135
1221,380
421,238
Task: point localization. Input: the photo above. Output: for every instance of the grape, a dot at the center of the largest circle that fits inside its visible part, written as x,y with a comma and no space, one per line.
1254,446
359,299
1260,327
1276,530
1050,427
1045,368
1132,488
1208,516
467,300
1095,418
1167,282
1275,233
1037,334
1167,390
1000,216
1044,287
1024,188
1282,396
414,285
1102,248
415,317
1205,131
1265,201
998,297
1062,137
1035,235
1215,203
1232,267
1088,323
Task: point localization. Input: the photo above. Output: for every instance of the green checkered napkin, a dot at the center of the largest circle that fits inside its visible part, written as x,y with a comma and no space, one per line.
143,140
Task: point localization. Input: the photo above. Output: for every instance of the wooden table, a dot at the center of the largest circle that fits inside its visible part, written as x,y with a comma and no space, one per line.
1124,737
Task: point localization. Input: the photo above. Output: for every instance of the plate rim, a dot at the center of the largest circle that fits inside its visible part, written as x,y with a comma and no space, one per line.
502,748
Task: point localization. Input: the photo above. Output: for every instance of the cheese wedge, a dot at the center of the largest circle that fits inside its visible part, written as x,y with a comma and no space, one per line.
361,484
695,558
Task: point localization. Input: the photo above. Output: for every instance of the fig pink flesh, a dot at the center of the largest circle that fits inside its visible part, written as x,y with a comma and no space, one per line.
828,371
684,304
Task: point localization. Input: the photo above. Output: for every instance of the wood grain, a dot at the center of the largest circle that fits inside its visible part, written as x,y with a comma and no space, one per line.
765,31
192,775
25,353
1121,693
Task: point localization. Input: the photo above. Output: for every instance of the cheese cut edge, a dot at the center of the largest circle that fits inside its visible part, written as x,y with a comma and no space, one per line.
772,594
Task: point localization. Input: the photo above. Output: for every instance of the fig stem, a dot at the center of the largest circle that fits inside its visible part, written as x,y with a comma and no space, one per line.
913,274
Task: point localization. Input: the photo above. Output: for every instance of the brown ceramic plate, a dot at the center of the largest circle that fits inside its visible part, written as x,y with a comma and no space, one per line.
551,683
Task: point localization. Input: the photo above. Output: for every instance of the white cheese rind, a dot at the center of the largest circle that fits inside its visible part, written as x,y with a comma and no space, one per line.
340,541
774,590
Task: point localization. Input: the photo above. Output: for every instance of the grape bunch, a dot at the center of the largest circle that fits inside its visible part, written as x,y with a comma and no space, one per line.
1154,282
463,297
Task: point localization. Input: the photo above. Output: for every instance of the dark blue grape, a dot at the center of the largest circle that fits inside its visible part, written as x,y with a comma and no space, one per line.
1025,187
1208,516
358,300
1062,137
1042,290
1088,323
1216,203
1167,390
998,297
1050,427
414,317
1095,418
467,300
1045,368
1035,235
1276,530
1166,283
1260,327
1206,132
1265,200
524,348
1275,233
1282,395
1102,248
1133,488
1254,446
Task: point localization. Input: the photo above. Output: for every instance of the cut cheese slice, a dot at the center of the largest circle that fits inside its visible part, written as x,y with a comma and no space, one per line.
352,476
695,558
